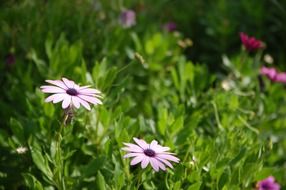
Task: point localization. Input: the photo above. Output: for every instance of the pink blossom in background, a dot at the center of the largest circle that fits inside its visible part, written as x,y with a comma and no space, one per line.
281,77
170,26
250,43
273,74
153,154
71,94
269,72
267,184
128,18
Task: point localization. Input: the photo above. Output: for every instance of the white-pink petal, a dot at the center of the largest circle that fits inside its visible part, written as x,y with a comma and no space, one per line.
51,98
83,87
161,165
132,155
84,103
141,143
58,83
90,99
145,162
59,97
154,164
75,101
93,95
68,83
136,160
77,87
153,145
168,157
129,144
132,149
165,162
52,89
89,91
66,102
160,149
46,86
133,146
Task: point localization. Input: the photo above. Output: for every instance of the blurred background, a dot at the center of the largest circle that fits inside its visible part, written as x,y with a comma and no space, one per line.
213,26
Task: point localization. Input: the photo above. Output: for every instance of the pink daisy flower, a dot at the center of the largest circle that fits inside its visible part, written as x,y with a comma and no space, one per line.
71,94
250,43
170,26
128,18
267,184
281,77
269,72
153,153
273,74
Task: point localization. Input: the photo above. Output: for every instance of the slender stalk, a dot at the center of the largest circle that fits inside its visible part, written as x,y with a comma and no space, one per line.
248,125
217,116
59,163
187,153
139,179
59,168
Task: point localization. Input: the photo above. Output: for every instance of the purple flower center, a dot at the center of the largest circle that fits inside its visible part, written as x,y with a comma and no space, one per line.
149,152
72,92
265,186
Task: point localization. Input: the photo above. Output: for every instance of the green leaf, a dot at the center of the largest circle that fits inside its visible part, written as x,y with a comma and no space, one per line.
177,185
163,118
40,161
41,65
177,125
195,186
136,41
32,182
17,129
233,102
48,47
92,167
238,157
224,178
100,182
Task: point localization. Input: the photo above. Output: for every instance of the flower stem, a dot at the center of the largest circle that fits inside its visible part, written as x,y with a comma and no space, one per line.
59,167
139,179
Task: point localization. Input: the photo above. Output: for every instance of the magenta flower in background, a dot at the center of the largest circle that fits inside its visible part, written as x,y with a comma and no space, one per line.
153,153
128,18
273,74
170,26
267,184
71,94
250,43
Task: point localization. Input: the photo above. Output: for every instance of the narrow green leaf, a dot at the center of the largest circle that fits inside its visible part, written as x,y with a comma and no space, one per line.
100,182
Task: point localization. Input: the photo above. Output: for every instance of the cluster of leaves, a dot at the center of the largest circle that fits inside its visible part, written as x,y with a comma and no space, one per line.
226,137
